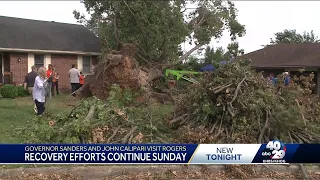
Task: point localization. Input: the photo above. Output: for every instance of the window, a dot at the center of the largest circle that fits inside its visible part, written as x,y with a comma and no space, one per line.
39,60
86,64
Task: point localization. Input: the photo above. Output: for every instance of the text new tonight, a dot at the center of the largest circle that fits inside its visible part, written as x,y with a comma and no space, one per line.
222,154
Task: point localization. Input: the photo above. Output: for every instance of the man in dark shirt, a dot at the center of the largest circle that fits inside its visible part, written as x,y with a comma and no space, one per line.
29,82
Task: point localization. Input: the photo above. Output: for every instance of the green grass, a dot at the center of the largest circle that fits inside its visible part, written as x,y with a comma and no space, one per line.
15,113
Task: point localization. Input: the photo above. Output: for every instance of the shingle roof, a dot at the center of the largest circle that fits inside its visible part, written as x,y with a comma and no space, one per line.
44,35
286,55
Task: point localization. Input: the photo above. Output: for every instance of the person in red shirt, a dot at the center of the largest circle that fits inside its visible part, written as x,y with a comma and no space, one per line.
81,79
49,71
49,75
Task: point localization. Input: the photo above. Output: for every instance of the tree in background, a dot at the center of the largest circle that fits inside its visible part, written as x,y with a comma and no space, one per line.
291,36
233,51
159,27
214,56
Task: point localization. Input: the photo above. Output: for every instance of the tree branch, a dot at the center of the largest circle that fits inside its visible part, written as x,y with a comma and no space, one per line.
187,54
116,30
143,32
184,56
199,24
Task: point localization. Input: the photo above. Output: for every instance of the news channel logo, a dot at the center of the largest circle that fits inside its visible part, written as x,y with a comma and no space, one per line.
274,152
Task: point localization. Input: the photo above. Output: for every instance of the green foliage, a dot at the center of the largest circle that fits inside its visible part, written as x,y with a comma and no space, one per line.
193,63
9,91
21,91
121,97
108,116
159,27
213,56
238,116
291,36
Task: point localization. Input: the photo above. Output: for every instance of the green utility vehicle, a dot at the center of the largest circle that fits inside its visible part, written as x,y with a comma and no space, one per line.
182,75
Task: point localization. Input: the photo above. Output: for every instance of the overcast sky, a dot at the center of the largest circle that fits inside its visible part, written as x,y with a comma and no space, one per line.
261,18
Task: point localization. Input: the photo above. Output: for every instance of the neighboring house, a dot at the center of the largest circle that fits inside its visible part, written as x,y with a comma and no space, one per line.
24,43
288,57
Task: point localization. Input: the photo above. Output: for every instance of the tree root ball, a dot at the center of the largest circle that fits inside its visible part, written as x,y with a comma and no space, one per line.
121,69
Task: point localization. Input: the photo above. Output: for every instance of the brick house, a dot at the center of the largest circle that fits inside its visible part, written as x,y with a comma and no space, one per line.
288,57
24,43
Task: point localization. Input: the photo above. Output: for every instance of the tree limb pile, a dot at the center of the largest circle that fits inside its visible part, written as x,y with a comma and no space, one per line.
236,105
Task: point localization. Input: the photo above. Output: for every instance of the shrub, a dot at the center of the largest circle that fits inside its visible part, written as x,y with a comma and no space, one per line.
9,91
21,91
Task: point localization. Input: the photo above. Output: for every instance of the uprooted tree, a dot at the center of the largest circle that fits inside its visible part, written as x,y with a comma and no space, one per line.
159,27
156,29
232,104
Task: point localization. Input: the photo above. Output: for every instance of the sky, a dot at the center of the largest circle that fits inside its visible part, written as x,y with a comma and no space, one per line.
261,18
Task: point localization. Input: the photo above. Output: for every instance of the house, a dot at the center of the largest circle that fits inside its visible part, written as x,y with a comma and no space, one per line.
24,43
288,57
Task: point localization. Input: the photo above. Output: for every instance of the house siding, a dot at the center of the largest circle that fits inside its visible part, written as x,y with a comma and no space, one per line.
63,63
18,69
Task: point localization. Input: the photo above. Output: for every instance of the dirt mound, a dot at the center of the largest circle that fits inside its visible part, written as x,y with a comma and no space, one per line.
118,68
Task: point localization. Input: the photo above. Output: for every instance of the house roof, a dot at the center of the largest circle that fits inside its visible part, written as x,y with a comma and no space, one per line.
286,55
17,33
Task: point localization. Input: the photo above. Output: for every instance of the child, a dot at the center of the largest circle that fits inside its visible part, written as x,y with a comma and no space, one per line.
81,79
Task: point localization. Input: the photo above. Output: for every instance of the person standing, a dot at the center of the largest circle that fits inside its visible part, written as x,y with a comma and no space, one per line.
81,79
286,78
55,81
29,83
39,89
74,76
49,71
49,75
273,79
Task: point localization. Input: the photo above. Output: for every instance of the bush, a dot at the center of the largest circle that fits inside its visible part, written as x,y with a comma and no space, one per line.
9,91
22,92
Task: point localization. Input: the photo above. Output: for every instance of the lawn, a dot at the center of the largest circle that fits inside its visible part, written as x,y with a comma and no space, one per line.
15,113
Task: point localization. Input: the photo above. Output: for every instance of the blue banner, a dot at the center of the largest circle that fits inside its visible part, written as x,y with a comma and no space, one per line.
274,152
289,153
96,153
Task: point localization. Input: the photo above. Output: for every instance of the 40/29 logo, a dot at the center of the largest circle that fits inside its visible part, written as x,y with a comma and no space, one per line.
275,151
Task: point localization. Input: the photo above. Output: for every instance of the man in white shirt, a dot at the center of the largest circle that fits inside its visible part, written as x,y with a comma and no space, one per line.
74,75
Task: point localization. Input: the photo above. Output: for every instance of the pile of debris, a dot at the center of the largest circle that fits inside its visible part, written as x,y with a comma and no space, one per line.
234,104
